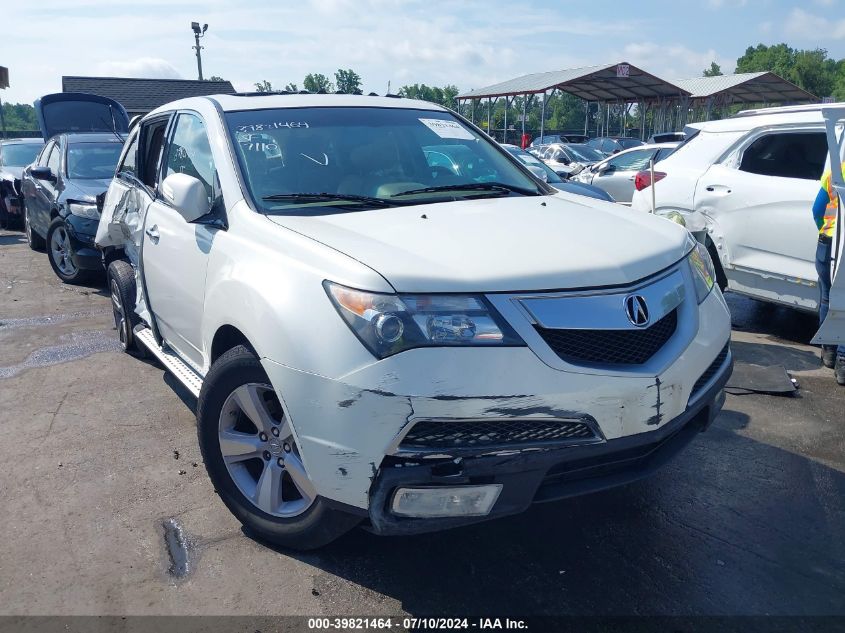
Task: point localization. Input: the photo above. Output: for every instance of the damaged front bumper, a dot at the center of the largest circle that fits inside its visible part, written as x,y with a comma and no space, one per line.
540,475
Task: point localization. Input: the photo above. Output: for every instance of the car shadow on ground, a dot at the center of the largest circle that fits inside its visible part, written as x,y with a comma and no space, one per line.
724,529
9,239
770,354
760,317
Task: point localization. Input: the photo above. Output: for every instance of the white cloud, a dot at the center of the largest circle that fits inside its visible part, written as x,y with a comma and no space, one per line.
149,67
805,25
673,61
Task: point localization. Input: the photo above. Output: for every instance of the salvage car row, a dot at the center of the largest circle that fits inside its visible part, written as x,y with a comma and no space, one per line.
387,318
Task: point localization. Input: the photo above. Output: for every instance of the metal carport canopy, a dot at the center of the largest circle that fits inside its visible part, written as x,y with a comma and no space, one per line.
613,82
761,87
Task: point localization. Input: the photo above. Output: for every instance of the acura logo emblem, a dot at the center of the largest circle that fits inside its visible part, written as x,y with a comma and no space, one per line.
637,310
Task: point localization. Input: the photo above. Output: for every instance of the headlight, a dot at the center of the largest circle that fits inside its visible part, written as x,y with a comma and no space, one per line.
389,324
88,211
703,271
673,216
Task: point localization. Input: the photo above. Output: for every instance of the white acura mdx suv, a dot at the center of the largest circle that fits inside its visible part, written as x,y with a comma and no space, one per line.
372,337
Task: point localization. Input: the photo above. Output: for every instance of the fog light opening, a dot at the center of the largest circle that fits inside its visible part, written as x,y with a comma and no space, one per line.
463,501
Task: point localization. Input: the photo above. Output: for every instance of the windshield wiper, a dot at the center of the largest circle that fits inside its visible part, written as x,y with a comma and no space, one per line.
329,197
493,187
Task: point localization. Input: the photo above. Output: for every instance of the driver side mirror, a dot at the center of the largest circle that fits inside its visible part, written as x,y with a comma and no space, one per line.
603,168
42,173
187,195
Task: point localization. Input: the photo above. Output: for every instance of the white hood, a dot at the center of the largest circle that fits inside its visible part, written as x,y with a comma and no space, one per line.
500,244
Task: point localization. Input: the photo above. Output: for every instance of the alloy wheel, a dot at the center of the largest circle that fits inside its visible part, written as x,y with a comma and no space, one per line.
260,452
60,251
119,313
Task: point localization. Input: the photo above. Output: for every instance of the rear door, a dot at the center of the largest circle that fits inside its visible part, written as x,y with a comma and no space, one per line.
618,178
832,331
175,252
759,202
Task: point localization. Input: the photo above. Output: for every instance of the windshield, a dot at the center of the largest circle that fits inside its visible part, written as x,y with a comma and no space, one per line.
358,157
19,155
584,153
89,161
533,161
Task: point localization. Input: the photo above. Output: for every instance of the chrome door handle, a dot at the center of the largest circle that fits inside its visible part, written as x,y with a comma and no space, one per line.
153,233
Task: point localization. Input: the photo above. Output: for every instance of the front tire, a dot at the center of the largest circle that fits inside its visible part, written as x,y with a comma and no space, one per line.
60,253
721,278
122,288
253,460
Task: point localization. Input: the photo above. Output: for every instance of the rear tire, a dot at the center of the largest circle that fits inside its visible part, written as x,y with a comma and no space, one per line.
721,278
35,241
122,289
60,254
292,516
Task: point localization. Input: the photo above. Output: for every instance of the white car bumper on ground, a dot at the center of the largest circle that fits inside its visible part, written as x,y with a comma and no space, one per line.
434,417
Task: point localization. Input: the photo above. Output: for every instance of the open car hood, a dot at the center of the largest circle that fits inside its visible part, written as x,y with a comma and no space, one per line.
64,112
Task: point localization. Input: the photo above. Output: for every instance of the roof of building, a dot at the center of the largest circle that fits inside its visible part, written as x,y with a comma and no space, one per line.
141,94
762,87
610,82
625,82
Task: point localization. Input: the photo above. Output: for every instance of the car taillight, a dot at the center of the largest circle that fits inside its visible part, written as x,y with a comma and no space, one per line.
643,179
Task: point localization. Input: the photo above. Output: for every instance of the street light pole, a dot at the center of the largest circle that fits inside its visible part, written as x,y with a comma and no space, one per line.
198,33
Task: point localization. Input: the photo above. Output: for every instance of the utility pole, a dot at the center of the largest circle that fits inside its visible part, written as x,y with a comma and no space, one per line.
4,83
198,33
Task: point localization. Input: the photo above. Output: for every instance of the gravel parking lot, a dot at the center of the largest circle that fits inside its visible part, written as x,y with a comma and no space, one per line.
99,461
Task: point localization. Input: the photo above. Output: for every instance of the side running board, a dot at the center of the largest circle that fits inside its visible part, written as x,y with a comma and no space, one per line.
175,365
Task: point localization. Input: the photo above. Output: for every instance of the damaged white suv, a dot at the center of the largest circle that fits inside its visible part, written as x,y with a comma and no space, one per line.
376,333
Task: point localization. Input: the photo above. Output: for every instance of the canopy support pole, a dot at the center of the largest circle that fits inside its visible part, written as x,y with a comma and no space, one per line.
505,131
543,116
489,131
586,116
524,107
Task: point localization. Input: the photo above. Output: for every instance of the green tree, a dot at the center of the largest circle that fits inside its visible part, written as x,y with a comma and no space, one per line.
316,82
291,87
215,78
264,86
19,117
714,71
348,81
811,70
444,96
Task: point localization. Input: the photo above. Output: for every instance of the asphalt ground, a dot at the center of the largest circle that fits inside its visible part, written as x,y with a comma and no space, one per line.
102,486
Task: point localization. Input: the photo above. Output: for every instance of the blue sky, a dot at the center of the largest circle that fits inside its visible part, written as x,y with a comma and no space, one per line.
470,43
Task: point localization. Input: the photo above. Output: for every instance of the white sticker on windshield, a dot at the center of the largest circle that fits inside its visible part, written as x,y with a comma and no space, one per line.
447,129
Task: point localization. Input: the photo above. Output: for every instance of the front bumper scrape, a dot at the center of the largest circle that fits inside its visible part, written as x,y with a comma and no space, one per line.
535,476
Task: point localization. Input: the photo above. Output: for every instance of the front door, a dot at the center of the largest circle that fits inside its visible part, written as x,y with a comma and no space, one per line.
42,202
175,252
760,205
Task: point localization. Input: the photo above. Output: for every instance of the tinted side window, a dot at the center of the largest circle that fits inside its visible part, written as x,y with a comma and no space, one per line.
130,159
190,153
55,160
787,155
